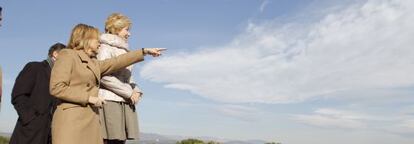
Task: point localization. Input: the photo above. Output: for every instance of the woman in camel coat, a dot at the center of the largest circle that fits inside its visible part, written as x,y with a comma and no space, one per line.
75,81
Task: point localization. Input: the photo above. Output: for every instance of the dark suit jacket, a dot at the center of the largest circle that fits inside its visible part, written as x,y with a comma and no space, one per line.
33,103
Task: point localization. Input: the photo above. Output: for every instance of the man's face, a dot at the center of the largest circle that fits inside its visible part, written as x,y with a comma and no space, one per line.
55,55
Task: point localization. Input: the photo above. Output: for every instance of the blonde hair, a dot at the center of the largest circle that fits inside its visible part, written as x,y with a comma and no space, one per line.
116,22
81,37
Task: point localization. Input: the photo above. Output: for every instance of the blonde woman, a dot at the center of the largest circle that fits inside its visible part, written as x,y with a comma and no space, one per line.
119,119
75,81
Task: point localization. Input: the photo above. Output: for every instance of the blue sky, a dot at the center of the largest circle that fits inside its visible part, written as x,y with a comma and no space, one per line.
302,71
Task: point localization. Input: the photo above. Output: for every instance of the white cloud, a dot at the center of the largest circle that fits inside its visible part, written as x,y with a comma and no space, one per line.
364,46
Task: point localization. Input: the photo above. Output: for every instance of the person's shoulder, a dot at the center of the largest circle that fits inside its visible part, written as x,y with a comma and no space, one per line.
67,51
33,65
103,47
105,51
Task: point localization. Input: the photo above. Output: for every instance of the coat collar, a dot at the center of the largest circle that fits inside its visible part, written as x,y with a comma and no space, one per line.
114,40
90,63
45,64
46,67
83,56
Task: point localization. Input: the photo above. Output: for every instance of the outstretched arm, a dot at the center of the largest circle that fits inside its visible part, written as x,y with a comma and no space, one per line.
111,65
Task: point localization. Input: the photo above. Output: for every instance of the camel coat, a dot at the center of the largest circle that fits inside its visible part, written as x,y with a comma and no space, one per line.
76,77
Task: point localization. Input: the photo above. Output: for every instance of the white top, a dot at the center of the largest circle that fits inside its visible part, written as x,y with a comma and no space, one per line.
119,85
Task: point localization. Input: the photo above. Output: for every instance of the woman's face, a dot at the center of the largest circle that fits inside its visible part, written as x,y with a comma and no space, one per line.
94,47
124,33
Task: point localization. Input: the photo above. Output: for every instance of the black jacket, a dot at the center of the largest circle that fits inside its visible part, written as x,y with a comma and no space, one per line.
33,103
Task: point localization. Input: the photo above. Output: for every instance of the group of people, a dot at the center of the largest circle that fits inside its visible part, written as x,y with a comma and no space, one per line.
84,92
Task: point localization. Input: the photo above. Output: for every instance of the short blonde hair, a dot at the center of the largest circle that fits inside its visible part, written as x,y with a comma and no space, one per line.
116,22
81,37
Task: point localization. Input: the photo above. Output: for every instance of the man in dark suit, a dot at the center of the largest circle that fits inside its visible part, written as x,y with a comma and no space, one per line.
33,102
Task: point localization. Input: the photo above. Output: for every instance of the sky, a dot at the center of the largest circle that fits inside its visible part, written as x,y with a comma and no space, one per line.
290,71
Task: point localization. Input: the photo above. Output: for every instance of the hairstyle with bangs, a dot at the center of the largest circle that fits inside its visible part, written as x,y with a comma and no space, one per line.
116,22
81,37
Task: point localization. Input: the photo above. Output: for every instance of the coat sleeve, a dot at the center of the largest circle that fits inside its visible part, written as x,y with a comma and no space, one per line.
61,78
111,82
116,86
22,91
111,65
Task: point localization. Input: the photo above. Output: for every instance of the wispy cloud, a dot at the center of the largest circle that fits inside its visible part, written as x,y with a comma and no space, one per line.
396,123
239,112
263,5
362,46
403,123
332,118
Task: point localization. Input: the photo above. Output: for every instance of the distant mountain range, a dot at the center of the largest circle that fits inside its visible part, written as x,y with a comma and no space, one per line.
151,138
5,134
